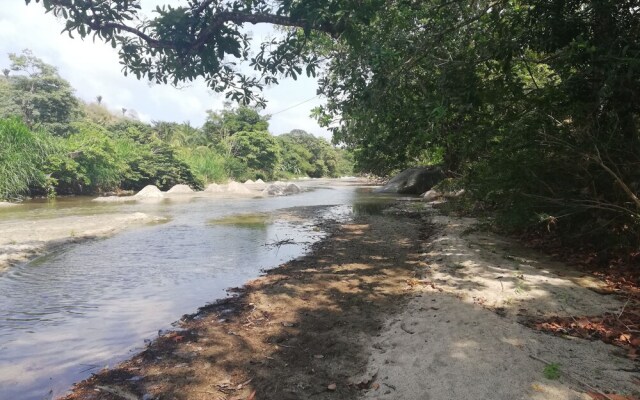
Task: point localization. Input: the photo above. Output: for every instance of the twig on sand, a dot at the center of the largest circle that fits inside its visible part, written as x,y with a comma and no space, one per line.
280,243
573,377
623,307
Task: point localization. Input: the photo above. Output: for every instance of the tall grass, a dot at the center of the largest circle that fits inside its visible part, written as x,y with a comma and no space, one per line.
206,164
22,154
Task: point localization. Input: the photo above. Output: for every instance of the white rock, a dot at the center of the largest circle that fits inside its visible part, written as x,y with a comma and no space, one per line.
180,189
457,194
431,195
149,192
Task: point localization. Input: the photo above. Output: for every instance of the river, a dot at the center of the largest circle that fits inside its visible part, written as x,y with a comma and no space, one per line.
90,305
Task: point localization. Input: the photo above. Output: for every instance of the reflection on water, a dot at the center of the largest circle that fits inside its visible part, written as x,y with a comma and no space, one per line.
369,208
90,305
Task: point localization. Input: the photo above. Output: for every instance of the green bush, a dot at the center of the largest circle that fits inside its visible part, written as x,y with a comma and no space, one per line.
90,163
207,164
153,162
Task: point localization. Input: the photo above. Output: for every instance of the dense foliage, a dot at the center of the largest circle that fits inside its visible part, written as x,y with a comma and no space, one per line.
535,104
22,152
52,143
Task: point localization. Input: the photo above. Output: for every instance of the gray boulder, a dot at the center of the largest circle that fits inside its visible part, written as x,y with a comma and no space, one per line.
414,181
292,188
281,189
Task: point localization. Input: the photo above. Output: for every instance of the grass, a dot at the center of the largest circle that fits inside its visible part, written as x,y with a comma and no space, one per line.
22,153
207,165
254,220
552,371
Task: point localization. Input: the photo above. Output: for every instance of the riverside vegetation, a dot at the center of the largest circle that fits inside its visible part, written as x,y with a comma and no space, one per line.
53,143
533,106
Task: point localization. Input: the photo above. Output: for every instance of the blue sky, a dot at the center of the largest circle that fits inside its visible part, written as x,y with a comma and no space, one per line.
93,69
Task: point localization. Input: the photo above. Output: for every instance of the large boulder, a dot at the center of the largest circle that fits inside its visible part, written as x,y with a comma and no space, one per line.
149,192
414,181
292,188
281,189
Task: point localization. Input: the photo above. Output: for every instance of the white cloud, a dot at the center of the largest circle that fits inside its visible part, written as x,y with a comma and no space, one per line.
93,69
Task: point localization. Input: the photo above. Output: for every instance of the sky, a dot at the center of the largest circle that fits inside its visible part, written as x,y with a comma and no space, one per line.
93,69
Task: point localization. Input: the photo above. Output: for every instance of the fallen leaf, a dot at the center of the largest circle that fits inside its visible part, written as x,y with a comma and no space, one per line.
252,396
625,337
332,387
537,387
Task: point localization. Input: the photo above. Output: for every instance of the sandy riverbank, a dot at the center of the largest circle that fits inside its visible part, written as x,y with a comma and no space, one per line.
400,306
23,240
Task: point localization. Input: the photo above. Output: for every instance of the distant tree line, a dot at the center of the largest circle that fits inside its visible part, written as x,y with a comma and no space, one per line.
53,143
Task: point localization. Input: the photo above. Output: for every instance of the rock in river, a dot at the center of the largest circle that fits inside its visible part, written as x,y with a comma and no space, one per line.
149,192
281,189
180,189
413,181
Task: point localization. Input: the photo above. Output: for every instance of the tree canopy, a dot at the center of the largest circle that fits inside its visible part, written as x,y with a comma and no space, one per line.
229,121
35,91
202,38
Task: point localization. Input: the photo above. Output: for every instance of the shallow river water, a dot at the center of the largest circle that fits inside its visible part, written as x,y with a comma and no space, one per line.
89,305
